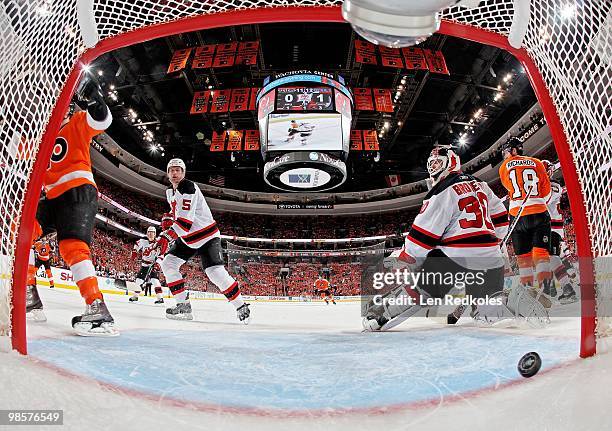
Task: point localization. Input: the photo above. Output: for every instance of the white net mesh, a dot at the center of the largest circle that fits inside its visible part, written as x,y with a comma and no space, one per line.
40,42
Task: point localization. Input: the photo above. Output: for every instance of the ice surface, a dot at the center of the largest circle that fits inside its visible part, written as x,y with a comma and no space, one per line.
300,366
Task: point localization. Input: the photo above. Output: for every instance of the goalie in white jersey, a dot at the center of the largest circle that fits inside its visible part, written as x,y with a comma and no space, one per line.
559,252
458,231
194,231
148,275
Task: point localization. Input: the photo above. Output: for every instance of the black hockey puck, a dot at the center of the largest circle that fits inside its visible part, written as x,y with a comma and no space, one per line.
529,364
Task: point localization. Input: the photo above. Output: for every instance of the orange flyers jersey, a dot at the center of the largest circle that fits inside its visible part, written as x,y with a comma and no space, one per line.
321,284
42,250
520,174
70,164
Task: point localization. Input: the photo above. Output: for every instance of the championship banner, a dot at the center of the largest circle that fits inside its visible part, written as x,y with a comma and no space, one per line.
251,140
179,60
240,99
436,61
356,140
218,141
203,57
226,54
253,101
414,58
199,105
234,141
363,99
391,57
382,97
220,101
365,52
247,53
370,140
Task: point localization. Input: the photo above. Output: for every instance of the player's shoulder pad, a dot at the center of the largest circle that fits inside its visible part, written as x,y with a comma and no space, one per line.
186,187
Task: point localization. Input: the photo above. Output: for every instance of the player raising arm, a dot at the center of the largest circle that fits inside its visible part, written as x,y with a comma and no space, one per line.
71,204
194,231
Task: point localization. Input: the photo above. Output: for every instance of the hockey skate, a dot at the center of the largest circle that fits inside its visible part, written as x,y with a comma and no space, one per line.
34,306
568,296
244,313
159,301
95,322
181,311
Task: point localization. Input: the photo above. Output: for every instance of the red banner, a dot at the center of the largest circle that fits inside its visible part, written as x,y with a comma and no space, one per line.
179,60
203,57
356,140
365,52
199,105
252,104
218,141
436,61
363,99
370,140
240,99
391,57
251,140
415,58
382,97
247,53
226,54
234,141
220,101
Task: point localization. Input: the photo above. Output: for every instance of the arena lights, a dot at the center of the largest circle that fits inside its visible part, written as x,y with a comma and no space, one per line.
45,8
568,11
86,68
508,77
100,72
498,96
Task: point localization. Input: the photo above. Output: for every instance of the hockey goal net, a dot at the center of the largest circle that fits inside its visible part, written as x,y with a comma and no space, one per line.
566,51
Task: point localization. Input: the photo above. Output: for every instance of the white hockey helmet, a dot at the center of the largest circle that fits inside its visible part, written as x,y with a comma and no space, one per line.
441,162
176,162
151,230
550,167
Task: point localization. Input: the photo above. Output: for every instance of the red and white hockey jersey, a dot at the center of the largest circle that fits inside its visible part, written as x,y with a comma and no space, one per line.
193,221
554,209
147,250
463,218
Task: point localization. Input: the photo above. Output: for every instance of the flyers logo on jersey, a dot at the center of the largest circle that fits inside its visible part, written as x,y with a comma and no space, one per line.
60,149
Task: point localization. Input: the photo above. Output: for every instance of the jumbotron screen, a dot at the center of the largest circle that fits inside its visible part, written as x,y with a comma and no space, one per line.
304,132
304,99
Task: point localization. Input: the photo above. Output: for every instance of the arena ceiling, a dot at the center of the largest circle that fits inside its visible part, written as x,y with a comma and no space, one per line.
485,93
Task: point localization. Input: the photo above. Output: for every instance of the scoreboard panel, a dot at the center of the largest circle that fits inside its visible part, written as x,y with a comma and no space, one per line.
304,99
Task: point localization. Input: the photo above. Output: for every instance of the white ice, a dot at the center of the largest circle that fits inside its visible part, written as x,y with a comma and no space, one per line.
574,396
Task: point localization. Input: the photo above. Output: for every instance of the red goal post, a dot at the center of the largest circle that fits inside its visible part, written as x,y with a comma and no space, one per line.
122,23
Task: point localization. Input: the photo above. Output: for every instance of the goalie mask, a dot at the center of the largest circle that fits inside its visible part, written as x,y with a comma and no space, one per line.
441,162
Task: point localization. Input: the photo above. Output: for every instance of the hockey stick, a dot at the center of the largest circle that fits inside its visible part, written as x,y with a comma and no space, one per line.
518,215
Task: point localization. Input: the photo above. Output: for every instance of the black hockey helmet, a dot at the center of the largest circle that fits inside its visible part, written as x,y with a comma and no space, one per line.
513,143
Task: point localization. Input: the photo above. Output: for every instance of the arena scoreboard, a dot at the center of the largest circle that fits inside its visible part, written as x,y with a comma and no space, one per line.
305,123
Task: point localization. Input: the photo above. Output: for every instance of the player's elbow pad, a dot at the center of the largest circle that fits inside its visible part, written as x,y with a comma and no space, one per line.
98,110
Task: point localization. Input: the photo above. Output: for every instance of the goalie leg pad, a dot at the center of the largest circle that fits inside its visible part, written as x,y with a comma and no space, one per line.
386,311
